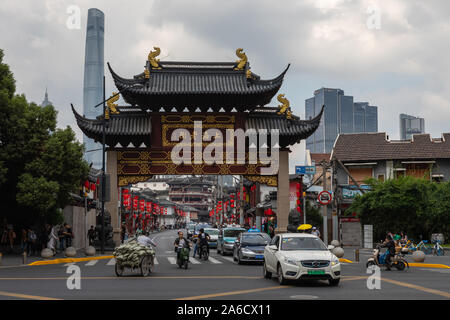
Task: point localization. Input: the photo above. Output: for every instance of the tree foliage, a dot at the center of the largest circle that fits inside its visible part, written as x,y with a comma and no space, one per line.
418,207
39,164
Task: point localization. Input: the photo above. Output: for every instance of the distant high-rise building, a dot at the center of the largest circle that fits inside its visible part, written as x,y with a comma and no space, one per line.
410,125
365,117
46,102
341,115
93,79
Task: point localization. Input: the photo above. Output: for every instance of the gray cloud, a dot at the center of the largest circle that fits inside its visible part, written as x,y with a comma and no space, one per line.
402,67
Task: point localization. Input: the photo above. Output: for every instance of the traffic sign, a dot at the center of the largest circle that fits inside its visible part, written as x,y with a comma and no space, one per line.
324,198
305,170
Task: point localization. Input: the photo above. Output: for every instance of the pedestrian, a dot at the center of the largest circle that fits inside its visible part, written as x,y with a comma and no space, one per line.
91,235
315,232
68,235
31,242
61,238
4,237
52,236
11,239
24,240
271,231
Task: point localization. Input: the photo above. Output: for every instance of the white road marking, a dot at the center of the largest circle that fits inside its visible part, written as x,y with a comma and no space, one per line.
155,261
92,263
214,260
193,260
111,262
172,260
69,264
228,258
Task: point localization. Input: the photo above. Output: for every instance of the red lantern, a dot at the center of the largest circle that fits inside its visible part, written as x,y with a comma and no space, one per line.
93,186
86,184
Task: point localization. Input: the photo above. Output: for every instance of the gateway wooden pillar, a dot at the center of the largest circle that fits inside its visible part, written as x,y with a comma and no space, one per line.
283,192
112,206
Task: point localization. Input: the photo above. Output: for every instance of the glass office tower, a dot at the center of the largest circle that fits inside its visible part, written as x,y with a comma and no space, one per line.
410,125
93,80
341,115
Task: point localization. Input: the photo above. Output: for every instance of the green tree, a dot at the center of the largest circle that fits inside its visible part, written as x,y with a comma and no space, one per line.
39,164
415,206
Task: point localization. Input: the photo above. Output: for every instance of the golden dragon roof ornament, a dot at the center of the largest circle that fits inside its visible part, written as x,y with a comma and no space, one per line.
152,58
111,106
243,59
284,108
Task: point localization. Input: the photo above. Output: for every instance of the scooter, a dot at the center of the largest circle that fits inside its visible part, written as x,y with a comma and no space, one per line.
380,260
182,257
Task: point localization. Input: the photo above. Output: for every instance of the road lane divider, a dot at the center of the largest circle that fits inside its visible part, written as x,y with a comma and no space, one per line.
428,265
67,260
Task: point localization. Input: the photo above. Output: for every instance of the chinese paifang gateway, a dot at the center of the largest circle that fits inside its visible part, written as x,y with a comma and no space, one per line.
169,95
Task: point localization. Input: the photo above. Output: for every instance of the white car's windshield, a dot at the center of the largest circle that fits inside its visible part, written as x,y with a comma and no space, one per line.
302,243
212,232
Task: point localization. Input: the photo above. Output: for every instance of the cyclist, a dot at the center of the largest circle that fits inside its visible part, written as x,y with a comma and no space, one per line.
202,241
145,240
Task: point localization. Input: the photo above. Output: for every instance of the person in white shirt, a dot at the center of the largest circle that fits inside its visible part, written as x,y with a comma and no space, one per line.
315,232
145,240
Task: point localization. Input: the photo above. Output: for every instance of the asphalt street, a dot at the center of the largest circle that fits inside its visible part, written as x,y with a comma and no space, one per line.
218,278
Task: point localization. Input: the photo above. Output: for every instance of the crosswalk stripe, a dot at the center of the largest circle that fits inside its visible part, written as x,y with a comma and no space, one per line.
111,262
172,260
155,261
214,260
69,264
92,263
228,258
193,260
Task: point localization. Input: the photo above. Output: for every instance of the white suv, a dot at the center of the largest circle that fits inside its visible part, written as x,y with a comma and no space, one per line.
300,256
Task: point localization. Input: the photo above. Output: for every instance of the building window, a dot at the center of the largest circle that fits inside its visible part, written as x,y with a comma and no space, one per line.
381,177
437,178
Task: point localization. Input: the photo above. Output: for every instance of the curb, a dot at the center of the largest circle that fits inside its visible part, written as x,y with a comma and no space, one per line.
67,260
345,260
429,265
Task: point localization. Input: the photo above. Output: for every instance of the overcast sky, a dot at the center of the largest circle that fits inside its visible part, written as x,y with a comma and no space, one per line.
391,53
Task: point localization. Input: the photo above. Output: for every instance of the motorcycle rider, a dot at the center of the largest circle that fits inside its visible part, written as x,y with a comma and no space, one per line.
390,245
202,241
181,242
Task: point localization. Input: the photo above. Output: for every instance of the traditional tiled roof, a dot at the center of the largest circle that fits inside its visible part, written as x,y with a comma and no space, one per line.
318,157
195,85
376,146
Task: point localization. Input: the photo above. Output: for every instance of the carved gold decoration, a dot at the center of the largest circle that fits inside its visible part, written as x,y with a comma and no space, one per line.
123,181
284,108
248,74
147,73
111,105
167,127
152,58
270,181
243,59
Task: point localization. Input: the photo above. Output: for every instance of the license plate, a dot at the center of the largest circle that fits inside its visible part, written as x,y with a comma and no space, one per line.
259,257
316,271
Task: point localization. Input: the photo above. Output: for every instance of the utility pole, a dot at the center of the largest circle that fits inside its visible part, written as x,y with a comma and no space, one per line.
325,208
241,202
103,172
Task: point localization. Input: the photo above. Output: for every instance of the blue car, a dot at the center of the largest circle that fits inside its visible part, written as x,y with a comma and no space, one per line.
225,241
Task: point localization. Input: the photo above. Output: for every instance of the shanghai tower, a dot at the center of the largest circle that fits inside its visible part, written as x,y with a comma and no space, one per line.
93,80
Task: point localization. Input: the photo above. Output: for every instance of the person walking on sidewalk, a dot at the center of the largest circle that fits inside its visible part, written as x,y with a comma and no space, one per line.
91,235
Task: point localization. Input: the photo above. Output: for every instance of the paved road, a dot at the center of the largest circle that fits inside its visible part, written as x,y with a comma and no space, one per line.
218,278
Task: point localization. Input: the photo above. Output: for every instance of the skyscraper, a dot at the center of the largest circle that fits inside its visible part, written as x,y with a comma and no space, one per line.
365,117
93,79
410,125
341,115
46,102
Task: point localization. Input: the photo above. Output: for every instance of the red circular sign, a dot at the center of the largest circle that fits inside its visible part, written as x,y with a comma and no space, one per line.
324,198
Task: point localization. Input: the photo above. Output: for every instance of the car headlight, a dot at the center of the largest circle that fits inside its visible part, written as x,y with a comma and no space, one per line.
245,250
290,261
334,261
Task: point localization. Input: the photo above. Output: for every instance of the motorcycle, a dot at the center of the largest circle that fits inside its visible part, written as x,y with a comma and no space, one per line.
182,257
397,260
204,254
